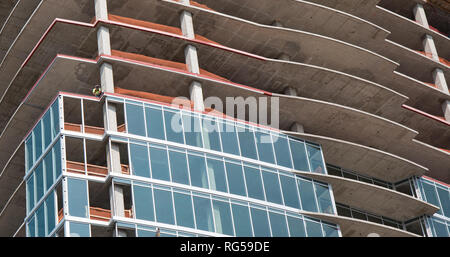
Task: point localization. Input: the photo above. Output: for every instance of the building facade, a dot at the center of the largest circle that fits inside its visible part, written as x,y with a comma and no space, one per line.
358,141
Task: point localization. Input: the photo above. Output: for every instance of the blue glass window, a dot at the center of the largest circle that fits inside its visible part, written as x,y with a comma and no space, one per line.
444,196
315,159
55,114
254,183
37,136
139,160
211,137
78,198
431,196
290,194
306,190
314,229
135,119
260,223
79,229
29,152
40,214
324,199
30,193
299,155
440,229
183,210
235,179
203,214
159,164
155,124
174,127
39,172
282,151
278,225
192,130
197,168
47,124
265,149
216,173
31,228
229,138
242,223
57,154
51,212
178,167
48,164
330,231
247,143
222,217
143,203
164,207
272,187
296,227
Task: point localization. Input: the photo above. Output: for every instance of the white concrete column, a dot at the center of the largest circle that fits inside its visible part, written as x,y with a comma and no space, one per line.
446,110
101,9
430,48
196,94
296,127
187,24
439,80
420,16
191,58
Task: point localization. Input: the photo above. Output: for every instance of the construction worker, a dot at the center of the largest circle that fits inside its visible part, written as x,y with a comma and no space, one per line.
97,91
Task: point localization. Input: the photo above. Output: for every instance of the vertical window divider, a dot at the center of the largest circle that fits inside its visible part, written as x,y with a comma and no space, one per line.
193,207
232,217
290,152
148,161
212,213
307,157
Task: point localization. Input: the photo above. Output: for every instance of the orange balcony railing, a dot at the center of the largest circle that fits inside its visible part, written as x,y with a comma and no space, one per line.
96,213
90,129
93,170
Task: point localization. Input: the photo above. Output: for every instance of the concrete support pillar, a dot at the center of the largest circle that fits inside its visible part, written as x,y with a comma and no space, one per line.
430,48
420,16
296,127
439,80
191,58
101,9
196,94
446,110
187,24
290,91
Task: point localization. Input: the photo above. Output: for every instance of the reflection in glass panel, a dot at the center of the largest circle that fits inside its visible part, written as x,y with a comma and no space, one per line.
39,172
299,155
178,167
235,179
314,229
272,187
31,228
155,124
192,130
57,158
211,134
47,125
440,229
40,215
78,198
48,165
282,151
203,214
79,230
163,206
197,168
444,196
159,164
296,227
29,153
183,210
146,233
330,231
51,212
135,119
241,217
324,199
431,196
222,217
216,173
30,193
306,190
260,223
174,127
55,114
139,160
247,143
143,203
264,144
37,136
254,183
229,138
278,225
290,194
315,159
